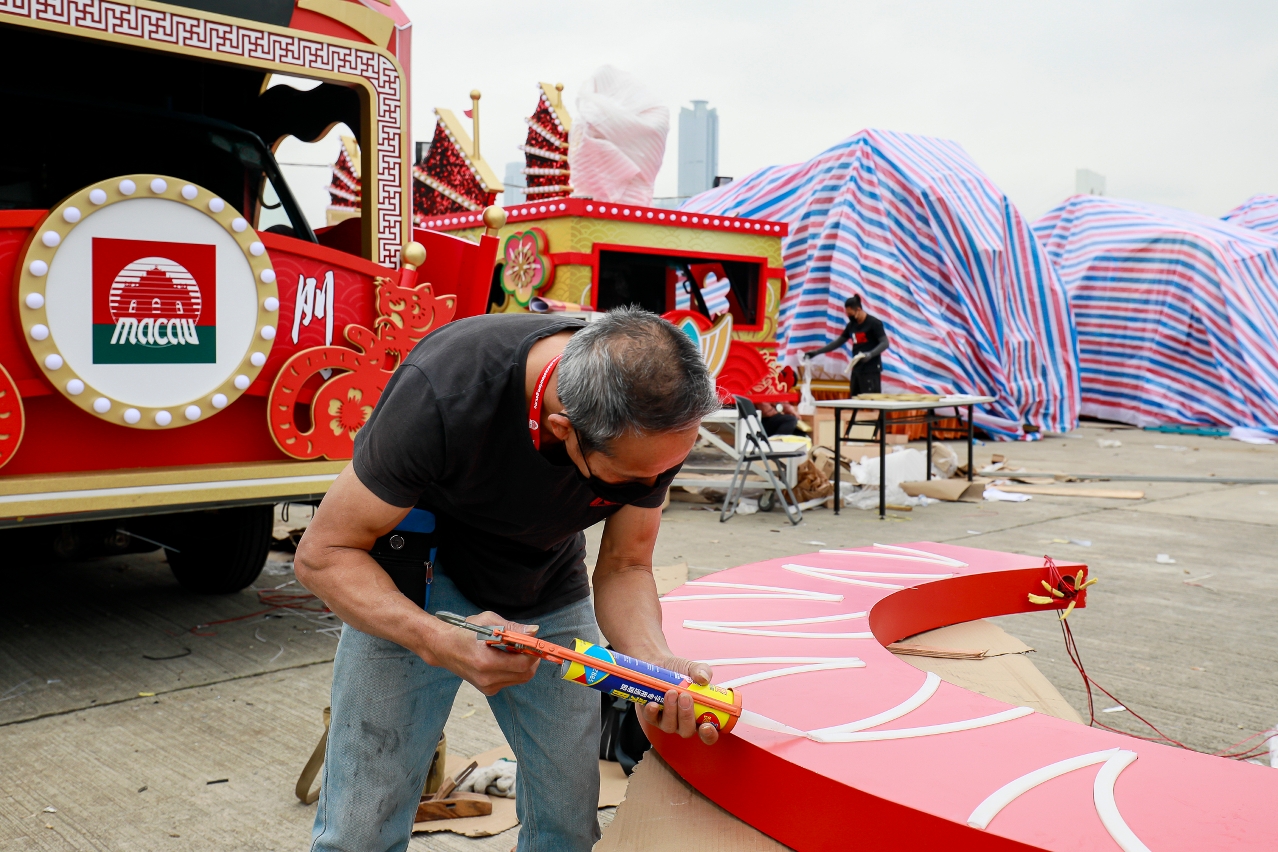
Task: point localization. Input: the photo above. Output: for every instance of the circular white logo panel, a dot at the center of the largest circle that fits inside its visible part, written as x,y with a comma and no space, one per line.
145,300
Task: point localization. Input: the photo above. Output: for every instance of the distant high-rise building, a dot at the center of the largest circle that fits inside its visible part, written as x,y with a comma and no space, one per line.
515,185
1088,182
698,148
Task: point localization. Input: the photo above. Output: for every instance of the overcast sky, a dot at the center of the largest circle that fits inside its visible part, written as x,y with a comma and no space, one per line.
1173,102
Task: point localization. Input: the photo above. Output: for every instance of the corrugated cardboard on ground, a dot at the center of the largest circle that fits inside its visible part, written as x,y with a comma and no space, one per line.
612,789
661,810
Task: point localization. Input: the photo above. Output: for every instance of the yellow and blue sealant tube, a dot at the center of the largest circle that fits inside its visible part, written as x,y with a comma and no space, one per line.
640,693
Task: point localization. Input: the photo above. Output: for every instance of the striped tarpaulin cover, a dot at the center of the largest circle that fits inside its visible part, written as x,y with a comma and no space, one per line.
1260,213
1177,313
937,252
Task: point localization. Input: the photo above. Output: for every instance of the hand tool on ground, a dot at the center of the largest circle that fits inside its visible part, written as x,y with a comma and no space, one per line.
447,803
625,677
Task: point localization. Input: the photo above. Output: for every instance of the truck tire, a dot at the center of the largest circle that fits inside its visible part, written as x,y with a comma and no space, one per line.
221,551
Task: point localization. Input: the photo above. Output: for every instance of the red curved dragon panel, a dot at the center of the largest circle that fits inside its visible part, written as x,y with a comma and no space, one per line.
897,759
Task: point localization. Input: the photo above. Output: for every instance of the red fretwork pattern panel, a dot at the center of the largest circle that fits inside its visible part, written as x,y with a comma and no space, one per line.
187,30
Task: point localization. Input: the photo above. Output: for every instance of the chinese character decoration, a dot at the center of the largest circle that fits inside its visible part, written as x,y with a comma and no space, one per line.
528,267
333,414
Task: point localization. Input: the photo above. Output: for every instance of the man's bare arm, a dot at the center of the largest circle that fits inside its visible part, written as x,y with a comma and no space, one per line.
333,562
629,613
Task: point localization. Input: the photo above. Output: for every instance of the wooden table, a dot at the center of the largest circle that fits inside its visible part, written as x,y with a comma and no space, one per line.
883,406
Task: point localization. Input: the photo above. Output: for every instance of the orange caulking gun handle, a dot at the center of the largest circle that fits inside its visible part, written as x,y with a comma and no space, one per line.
551,651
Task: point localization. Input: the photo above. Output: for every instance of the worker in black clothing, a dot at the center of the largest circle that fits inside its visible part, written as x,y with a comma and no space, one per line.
869,342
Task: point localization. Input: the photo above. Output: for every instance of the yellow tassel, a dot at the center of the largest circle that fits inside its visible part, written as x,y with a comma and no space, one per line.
1068,610
1078,581
1039,599
1088,583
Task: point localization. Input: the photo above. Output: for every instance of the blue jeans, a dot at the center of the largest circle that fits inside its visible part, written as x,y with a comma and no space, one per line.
389,708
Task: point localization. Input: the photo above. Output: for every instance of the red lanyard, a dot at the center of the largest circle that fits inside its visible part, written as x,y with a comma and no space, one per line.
534,407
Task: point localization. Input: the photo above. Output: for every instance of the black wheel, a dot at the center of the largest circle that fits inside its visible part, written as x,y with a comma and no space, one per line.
217,552
768,501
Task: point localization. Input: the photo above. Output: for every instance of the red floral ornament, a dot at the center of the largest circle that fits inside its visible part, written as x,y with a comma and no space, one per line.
528,267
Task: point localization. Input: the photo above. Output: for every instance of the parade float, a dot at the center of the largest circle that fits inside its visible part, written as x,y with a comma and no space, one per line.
720,278
171,365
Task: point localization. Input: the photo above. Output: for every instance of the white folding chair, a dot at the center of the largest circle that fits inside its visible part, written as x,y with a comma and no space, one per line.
758,449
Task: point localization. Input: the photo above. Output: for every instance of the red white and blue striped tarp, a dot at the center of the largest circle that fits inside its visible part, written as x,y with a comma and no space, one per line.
1260,213
1177,313
937,252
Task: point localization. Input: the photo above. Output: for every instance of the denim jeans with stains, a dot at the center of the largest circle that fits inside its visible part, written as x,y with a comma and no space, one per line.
389,708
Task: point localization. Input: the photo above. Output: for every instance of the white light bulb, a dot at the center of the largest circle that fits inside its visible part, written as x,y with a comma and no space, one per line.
192,412
217,205
257,249
71,215
268,276
159,185
39,331
218,400
53,361
132,415
189,192
50,238
242,382
97,196
35,301
38,268
257,359
268,332
128,187
75,387
163,418
102,405
238,224
271,304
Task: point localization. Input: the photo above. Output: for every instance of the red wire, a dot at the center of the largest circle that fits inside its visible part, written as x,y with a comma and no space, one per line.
1071,648
276,601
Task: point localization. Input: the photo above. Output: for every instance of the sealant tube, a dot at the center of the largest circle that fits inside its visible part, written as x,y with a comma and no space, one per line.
640,693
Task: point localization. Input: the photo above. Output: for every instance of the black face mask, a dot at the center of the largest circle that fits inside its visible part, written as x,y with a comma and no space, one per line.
625,493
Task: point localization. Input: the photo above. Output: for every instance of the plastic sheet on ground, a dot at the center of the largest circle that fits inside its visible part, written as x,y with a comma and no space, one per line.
1177,313
903,466
938,253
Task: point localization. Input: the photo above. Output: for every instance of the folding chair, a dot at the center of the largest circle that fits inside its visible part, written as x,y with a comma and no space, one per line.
759,449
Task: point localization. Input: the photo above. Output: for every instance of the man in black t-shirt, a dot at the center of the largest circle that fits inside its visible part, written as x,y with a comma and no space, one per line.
869,342
503,437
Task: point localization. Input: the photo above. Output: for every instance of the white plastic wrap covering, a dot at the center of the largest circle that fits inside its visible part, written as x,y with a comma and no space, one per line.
618,139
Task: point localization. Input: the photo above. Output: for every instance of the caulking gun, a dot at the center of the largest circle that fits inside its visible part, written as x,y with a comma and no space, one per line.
624,677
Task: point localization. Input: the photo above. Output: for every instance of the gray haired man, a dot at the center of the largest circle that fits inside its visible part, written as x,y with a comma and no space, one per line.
503,437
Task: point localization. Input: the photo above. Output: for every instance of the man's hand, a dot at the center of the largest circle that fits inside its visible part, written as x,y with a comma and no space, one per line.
677,715
468,656
807,356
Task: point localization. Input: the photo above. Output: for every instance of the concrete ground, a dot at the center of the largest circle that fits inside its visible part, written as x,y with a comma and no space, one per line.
142,733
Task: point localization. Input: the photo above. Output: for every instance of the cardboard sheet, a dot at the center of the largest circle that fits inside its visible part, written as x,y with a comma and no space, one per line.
949,490
1004,672
662,811
612,790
